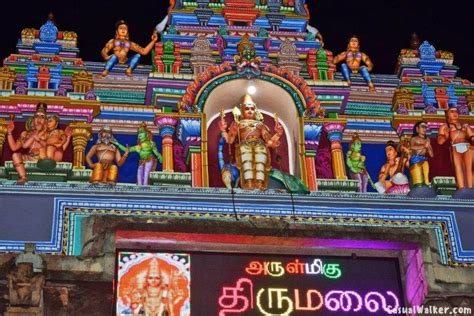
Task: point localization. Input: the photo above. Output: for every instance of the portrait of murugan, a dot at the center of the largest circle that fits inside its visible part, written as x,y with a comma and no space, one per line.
153,284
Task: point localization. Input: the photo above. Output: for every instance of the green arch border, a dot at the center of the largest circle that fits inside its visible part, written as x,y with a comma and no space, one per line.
293,91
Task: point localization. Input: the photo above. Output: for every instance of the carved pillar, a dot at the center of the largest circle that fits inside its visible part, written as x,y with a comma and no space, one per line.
81,134
335,130
311,178
312,134
196,166
189,133
3,134
167,126
470,100
403,101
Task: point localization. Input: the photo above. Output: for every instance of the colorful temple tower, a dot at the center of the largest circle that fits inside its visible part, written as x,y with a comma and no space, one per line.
249,170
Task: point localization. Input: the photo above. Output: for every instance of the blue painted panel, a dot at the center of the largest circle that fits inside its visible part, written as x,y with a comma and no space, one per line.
21,219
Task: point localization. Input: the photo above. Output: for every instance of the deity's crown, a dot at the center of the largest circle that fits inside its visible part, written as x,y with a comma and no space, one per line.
247,99
120,22
154,267
41,108
106,128
355,138
143,126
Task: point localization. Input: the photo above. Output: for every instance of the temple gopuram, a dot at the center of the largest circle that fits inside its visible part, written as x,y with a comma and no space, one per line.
249,170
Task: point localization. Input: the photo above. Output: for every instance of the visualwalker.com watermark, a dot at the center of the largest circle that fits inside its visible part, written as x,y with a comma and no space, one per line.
433,310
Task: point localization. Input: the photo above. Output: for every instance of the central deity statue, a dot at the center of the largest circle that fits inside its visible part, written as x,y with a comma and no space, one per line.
253,141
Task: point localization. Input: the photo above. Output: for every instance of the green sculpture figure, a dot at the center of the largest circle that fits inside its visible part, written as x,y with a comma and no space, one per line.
147,150
355,160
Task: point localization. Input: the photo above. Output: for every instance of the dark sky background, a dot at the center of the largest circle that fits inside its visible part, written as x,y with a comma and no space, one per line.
384,26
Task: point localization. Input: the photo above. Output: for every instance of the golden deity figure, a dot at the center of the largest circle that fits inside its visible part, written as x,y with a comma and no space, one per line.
57,140
420,152
156,300
104,170
121,45
253,141
354,61
461,137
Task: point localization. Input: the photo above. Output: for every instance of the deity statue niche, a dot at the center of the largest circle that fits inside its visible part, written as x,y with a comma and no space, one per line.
253,141
25,290
44,141
353,60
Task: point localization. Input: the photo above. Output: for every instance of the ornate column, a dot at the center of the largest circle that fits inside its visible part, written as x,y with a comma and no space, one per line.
196,166
334,130
403,101
312,134
470,100
189,133
81,134
167,126
3,134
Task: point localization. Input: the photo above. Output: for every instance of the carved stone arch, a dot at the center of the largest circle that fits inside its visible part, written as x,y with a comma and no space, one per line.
292,90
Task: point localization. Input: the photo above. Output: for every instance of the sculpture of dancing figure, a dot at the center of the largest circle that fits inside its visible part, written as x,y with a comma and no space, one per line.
420,152
104,170
253,141
120,46
353,58
147,150
461,137
355,160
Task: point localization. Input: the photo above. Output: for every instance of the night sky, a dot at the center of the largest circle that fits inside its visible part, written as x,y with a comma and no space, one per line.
384,26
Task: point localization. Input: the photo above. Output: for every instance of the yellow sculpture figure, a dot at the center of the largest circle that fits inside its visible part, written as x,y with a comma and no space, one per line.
253,141
353,58
461,137
104,170
57,140
420,152
120,46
